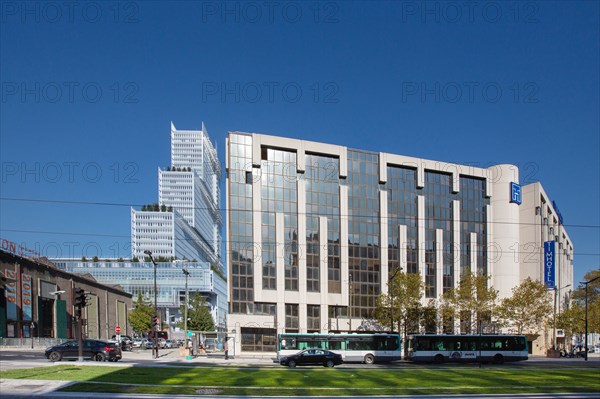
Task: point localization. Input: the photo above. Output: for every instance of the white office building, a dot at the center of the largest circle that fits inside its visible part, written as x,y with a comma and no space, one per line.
316,230
188,222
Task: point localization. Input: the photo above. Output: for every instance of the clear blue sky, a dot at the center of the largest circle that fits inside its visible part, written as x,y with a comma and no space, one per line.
88,93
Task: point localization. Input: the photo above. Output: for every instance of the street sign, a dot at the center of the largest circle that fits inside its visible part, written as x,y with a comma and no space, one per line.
189,334
117,329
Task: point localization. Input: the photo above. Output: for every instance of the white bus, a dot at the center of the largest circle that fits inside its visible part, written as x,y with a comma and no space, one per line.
367,348
467,348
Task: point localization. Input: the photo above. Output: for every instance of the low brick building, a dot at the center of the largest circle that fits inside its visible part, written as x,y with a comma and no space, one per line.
36,300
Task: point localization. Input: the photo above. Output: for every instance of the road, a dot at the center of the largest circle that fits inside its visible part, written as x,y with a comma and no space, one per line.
26,358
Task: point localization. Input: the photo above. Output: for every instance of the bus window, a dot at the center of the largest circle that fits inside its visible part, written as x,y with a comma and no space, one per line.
288,343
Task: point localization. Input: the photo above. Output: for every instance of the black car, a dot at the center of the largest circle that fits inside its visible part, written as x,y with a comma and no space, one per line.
312,357
93,349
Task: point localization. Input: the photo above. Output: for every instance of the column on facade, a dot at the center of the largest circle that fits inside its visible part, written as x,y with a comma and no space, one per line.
323,272
421,238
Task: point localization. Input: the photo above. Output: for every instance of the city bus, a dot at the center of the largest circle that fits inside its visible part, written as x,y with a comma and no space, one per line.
365,348
467,348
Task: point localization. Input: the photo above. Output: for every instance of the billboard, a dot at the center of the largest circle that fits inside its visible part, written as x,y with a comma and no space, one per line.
549,264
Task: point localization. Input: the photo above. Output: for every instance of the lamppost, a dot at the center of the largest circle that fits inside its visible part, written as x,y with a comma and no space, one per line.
185,311
392,300
350,302
586,315
155,335
556,293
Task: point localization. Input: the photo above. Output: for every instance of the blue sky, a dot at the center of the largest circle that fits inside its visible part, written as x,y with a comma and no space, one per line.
89,90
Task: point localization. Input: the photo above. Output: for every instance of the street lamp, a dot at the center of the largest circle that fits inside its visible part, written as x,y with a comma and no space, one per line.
155,345
350,302
556,293
586,315
185,311
392,300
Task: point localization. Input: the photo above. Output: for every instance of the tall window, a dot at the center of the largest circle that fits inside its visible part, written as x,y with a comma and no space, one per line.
402,211
313,314
322,199
363,232
240,224
473,220
438,215
279,195
291,318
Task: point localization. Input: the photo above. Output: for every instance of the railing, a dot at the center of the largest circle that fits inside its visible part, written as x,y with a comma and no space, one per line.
36,343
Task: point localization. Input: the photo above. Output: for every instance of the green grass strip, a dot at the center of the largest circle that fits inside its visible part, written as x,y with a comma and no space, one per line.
338,381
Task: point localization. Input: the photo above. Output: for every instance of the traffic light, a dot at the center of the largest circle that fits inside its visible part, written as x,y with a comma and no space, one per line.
79,298
155,321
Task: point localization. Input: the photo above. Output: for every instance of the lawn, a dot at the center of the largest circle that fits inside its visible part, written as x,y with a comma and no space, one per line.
315,381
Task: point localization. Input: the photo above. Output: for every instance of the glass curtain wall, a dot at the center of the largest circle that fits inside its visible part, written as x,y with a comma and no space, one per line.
363,232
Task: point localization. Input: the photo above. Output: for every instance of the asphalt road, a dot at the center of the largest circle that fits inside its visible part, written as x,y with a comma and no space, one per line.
26,358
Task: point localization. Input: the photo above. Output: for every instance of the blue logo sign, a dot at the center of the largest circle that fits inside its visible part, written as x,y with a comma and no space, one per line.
515,193
549,264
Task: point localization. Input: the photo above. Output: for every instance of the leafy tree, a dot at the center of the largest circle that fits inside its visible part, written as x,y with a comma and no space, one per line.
135,259
527,308
199,317
163,208
144,208
403,302
472,301
95,259
593,301
140,317
83,259
572,320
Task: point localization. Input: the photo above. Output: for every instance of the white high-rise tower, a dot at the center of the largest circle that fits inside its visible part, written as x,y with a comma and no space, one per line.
188,191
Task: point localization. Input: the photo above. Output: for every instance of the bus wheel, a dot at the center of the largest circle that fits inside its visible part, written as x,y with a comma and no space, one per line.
498,359
369,359
439,359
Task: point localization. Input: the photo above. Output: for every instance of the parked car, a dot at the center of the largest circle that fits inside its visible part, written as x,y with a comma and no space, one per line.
93,349
312,357
138,342
169,343
126,342
149,344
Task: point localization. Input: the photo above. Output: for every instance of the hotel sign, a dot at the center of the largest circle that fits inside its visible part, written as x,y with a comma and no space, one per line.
549,266
515,193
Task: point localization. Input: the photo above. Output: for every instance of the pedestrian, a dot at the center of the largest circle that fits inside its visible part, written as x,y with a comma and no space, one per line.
226,348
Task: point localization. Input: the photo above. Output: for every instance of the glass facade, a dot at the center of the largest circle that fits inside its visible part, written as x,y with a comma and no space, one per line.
313,202
438,215
363,232
322,199
279,195
240,224
473,219
402,211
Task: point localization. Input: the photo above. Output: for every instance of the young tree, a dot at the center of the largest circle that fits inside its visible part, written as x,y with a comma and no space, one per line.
140,317
472,301
528,307
199,317
403,303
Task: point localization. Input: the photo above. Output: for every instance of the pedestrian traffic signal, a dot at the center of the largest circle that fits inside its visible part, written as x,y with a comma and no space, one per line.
79,298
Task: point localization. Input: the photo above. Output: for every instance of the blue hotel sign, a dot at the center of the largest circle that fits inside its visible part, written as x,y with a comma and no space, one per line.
515,193
549,267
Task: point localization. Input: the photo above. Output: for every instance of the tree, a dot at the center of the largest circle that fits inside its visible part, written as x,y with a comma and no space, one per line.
593,300
199,317
140,317
163,208
527,308
403,302
95,259
473,302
